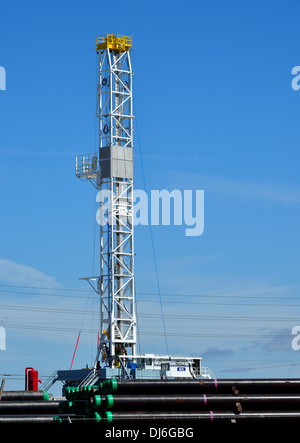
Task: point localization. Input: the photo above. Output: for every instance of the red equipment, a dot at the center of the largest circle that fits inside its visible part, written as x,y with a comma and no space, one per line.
31,379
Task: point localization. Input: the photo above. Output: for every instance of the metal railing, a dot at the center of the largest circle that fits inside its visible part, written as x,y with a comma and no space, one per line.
87,166
114,41
207,373
90,379
49,382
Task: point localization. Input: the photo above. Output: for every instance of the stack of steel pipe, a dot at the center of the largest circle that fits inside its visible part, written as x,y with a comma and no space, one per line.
27,407
184,402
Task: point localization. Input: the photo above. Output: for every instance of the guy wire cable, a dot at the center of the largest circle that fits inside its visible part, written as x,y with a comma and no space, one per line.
151,234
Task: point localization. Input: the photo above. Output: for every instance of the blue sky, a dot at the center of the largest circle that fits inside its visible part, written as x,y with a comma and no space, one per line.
215,110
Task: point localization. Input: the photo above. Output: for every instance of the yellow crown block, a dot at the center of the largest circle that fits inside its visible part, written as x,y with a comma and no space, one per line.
120,43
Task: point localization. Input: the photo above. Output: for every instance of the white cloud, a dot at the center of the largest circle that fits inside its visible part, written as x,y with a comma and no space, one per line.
258,190
34,152
16,273
281,342
279,193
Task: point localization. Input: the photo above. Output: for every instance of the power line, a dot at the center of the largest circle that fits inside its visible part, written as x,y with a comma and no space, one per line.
286,297
176,301
153,333
151,315
43,288
152,241
269,305
42,309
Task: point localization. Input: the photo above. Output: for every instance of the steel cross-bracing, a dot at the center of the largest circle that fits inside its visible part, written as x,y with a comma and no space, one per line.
111,172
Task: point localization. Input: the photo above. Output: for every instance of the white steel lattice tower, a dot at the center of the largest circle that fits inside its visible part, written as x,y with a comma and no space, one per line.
111,172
